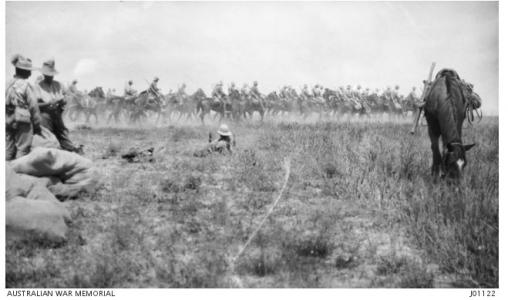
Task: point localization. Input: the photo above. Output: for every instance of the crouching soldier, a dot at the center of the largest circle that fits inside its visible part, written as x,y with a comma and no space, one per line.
21,111
224,143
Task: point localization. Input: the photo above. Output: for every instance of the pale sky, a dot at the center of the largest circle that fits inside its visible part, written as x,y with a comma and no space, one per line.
375,44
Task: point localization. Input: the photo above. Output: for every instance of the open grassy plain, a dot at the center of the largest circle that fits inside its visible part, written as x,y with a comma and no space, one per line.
360,209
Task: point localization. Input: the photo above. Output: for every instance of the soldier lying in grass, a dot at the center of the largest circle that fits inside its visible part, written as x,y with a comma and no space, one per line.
222,145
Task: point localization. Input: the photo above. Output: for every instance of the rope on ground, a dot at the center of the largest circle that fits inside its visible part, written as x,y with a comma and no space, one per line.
287,167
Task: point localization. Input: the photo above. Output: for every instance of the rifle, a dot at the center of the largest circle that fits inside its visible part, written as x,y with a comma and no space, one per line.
422,98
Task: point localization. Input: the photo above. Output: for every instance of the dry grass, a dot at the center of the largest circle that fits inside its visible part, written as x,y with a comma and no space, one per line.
360,210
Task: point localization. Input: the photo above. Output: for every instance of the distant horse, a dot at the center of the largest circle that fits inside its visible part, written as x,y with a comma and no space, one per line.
184,106
255,105
89,104
238,104
114,107
446,105
206,105
143,105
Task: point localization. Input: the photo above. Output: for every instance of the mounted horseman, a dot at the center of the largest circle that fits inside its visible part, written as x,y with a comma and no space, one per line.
237,102
183,103
256,101
410,103
220,97
215,103
149,100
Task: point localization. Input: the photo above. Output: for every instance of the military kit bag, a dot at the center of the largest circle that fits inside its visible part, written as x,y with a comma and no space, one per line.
22,115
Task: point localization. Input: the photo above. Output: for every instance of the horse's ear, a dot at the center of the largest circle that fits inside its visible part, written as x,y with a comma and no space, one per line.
467,147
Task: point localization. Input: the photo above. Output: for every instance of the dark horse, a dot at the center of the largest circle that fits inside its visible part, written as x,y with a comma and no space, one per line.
446,105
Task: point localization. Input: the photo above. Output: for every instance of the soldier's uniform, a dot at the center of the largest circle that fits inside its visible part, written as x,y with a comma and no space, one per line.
254,92
73,89
305,93
181,94
21,113
218,94
349,93
412,94
129,92
245,91
153,91
316,91
282,93
225,141
395,94
50,94
388,94
232,91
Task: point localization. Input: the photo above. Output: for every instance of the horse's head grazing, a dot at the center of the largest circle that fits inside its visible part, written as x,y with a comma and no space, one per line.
455,159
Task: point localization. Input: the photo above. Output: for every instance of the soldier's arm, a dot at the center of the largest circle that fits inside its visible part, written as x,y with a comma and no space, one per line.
33,107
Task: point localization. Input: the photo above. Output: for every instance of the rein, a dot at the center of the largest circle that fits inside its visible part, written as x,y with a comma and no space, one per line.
470,109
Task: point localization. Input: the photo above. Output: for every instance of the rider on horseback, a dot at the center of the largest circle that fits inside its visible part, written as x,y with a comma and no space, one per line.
232,91
218,94
73,90
153,92
306,95
396,96
129,92
181,94
254,92
316,91
245,91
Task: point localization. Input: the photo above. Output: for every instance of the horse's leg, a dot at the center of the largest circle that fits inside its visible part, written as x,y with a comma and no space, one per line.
202,116
436,155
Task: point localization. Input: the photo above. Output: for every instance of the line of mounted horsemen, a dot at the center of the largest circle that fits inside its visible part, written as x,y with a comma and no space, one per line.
447,101
236,104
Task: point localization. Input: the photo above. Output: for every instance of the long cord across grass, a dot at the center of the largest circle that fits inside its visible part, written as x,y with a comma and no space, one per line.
287,167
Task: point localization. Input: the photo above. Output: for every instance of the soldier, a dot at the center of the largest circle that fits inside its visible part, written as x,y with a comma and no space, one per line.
316,91
358,92
22,118
412,98
129,92
218,94
395,94
254,91
224,142
349,93
387,94
283,93
245,91
181,94
153,91
51,105
306,95
73,89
